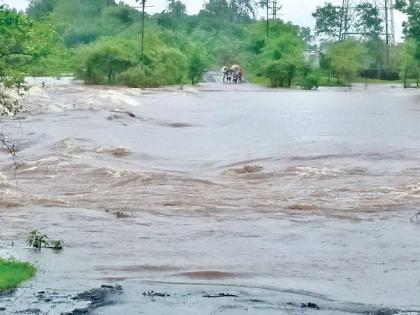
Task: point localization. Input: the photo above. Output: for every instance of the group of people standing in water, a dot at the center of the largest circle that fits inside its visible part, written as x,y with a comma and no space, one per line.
233,74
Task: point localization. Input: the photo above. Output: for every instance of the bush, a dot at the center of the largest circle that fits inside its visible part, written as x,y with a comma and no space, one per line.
311,81
134,77
103,61
38,240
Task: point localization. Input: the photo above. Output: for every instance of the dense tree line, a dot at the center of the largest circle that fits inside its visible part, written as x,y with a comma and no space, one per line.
99,41
369,56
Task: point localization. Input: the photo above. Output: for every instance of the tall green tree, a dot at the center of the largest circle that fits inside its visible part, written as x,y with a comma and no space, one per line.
332,21
243,9
412,25
196,65
346,60
412,9
368,21
282,57
328,22
408,63
41,8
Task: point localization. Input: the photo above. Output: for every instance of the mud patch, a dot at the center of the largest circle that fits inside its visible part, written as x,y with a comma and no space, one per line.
179,125
210,275
247,169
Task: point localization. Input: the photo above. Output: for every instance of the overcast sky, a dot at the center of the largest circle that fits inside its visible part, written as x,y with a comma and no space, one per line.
297,11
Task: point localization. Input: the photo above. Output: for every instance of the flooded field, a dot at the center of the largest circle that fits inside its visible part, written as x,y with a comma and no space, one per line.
236,199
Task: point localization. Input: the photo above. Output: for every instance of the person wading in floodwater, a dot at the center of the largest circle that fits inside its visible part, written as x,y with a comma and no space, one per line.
234,74
225,73
238,70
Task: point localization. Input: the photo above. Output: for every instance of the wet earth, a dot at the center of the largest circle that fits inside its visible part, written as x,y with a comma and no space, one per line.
214,200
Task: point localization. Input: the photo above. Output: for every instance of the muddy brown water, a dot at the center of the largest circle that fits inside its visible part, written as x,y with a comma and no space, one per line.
276,197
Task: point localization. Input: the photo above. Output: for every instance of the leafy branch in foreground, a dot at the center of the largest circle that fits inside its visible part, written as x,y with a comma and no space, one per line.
23,42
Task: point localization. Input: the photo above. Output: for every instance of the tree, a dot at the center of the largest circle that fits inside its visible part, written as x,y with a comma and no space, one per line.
412,9
175,16
412,25
243,9
306,35
40,8
196,65
21,44
368,21
328,22
409,64
282,57
177,9
216,15
346,60
332,21
104,61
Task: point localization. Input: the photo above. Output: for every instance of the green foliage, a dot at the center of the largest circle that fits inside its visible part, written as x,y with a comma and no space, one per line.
408,63
346,60
13,273
328,21
99,41
412,9
311,79
40,8
331,21
16,47
412,26
282,57
23,42
196,65
111,61
38,240
103,61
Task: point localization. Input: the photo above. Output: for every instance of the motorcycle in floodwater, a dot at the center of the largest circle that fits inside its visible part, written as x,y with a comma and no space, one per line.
232,75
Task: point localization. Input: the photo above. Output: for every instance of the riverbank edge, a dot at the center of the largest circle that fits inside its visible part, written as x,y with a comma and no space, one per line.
14,272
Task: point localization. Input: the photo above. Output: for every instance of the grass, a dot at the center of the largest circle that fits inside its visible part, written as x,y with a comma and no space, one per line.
257,80
13,273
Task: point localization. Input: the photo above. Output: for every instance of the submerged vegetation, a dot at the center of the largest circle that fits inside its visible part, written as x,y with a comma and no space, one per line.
13,273
100,42
38,240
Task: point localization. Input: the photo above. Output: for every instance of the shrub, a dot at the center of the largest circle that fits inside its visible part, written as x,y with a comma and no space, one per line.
38,240
310,81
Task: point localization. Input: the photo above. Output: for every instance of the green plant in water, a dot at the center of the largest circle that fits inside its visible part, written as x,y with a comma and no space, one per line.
38,240
56,244
13,273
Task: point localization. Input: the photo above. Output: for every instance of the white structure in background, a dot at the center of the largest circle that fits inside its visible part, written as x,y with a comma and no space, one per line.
313,57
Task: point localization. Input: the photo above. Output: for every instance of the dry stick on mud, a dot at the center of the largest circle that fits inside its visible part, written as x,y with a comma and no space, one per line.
10,147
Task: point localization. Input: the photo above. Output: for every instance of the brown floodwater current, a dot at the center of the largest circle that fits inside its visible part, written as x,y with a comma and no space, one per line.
279,197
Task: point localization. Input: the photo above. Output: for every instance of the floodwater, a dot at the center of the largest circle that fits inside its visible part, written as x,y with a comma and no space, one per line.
278,197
